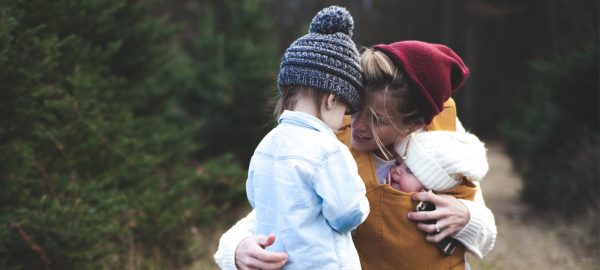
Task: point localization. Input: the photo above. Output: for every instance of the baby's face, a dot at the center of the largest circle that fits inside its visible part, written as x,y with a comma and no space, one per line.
404,180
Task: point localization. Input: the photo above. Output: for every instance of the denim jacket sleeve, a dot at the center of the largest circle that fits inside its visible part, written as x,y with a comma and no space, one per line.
337,182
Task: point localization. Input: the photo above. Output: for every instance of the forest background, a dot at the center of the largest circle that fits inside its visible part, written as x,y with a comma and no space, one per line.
127,126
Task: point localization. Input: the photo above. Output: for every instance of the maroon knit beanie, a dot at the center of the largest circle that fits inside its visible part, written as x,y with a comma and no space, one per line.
433,69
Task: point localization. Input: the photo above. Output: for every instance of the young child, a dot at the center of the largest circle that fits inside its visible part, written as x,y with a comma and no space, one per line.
302,181
444,162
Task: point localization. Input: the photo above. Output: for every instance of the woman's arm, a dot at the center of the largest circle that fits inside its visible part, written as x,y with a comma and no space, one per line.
239,248
479,235
470,222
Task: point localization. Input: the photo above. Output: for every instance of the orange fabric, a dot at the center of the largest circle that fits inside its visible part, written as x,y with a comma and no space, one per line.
364,161
446,120
387,239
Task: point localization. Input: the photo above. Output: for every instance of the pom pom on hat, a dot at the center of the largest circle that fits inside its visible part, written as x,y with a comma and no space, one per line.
332,20
433,69
437,157
326,58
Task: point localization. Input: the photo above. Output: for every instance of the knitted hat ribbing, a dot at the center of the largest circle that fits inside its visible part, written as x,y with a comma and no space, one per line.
433,69
436,157
326,58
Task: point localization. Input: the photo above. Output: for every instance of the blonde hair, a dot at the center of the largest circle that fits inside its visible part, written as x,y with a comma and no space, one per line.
380,73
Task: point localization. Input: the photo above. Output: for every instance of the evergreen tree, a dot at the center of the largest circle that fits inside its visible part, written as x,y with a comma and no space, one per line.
235,59
95,164
554,141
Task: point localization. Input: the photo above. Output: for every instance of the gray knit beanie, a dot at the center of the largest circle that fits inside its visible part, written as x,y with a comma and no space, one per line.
326,58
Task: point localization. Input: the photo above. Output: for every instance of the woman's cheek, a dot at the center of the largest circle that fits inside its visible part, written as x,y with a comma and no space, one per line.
388,136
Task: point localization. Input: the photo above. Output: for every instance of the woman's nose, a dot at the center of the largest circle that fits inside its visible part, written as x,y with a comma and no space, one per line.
359,121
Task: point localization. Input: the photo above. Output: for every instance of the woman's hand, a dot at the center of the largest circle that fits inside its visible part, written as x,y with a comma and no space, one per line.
451,215
251,254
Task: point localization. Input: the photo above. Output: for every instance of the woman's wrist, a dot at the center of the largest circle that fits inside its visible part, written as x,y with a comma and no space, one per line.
474,233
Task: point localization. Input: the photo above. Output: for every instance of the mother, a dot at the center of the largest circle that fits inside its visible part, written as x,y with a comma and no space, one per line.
407,88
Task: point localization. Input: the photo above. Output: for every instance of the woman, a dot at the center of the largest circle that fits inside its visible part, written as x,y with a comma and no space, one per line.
407,87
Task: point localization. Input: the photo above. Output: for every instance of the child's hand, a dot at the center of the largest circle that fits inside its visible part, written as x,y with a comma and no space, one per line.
250,254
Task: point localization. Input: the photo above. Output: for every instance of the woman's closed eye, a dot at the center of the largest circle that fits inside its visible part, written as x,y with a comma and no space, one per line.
379,121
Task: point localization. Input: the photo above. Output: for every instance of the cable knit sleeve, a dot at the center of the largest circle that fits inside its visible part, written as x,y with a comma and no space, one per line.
479,235
225,255
459,126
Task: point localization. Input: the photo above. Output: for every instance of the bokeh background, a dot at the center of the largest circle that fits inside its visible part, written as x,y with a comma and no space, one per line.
127,126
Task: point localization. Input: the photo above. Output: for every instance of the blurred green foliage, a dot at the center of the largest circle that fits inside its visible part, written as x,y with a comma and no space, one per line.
113,142
234,60
554,138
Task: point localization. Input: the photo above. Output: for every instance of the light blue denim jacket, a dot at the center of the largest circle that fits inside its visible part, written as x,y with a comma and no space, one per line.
305,187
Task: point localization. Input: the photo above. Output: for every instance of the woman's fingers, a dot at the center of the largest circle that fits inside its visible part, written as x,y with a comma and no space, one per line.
265,241
268,256
427,197
255,264
450,215
250,254
425,216
432,234
428,228
274,260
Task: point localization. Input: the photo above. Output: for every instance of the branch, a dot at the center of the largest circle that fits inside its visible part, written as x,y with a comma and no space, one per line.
46,177
35,247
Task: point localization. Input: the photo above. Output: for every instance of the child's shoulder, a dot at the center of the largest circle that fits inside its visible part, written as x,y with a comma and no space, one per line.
304,144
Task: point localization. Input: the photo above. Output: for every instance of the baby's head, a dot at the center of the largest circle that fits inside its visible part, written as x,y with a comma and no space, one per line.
324,61
439,160
403,179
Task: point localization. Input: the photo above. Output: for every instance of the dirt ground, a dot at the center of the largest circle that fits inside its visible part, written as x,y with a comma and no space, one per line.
522,242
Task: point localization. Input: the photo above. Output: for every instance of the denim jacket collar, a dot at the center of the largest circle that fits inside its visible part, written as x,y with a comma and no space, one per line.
305,120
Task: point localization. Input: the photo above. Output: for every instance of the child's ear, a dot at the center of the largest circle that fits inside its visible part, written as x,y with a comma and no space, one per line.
330,101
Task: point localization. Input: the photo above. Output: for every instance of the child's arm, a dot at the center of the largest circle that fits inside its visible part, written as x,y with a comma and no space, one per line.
337,182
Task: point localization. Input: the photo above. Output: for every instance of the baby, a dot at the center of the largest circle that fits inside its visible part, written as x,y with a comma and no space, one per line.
441,162
438,161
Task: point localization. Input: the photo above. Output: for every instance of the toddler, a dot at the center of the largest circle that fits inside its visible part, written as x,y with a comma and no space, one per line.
302,181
